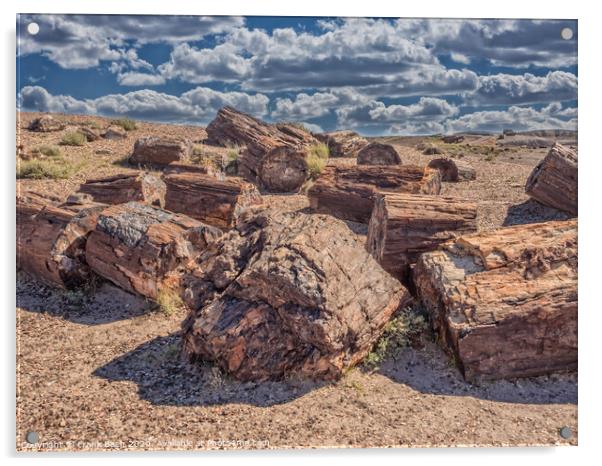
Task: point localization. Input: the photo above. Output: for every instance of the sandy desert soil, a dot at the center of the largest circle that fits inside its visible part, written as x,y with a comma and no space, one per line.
100,369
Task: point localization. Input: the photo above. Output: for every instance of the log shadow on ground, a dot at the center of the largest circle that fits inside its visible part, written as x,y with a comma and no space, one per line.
532,211
430,371
105,305
165,378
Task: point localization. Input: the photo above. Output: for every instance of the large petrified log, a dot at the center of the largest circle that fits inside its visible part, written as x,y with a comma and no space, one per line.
403,226
553,181
348,192
51,239
453,139
504,303
287,293
154,150
453,170
342,143
125,187
274,156
377,153
143,248
208,199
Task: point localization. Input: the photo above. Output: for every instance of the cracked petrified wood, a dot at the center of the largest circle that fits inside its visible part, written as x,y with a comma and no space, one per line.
125,187
342,143
348,192
46,124
274,156
205,198
504,303
403,226
51,239
153,150
453,170
553,181
287,294
377,153
142,248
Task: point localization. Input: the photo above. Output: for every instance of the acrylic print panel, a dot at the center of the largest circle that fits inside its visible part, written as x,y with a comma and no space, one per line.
283,232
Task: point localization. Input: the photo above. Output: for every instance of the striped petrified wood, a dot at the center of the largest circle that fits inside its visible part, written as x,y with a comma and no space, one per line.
348,192
125,187
504,303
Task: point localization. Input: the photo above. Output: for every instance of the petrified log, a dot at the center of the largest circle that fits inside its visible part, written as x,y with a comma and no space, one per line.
274,156
142,248
504,303
377,153
453,170
90,134
287,293
51,239
403,226
114,133
553,181
452,139
342,143
125,187
154,150
176,167
46,124
431,149
348,192
205,198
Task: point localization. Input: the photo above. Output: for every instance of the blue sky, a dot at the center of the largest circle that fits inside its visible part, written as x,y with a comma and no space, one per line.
377,76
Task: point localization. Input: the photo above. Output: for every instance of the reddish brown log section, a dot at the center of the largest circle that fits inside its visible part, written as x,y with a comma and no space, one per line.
205,198
277,297
505,302
142,248
453,170
377,153
553,181
51,239
154,150
403,226
348,192
125,187
342,143
274,156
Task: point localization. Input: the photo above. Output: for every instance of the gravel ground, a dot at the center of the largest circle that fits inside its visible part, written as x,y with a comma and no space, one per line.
100,370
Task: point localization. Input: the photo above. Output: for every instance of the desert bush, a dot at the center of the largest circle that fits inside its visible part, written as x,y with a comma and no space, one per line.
48,151
233,152
55,168
73,138
317,159
169,301
126,123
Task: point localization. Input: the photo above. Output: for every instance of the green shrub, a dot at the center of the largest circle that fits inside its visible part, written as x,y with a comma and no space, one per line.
317,159
48,151
56,168
73,138
232,153
125,123
169,301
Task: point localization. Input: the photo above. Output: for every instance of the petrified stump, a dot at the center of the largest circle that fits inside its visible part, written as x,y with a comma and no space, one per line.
142,248
274,156
205,198
51,239
46,124
288,293
342,143
403,226
154,150
377,153
553,181
504,303
348,192
453,170
125,187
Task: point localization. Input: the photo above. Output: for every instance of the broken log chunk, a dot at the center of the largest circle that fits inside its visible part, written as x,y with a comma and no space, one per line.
46,124
553,182
161,151
504,303
125,187
342,143
377,153
142,248
453,170
51,239
348,192
176,167
205,198
268,149
403,226
287,293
